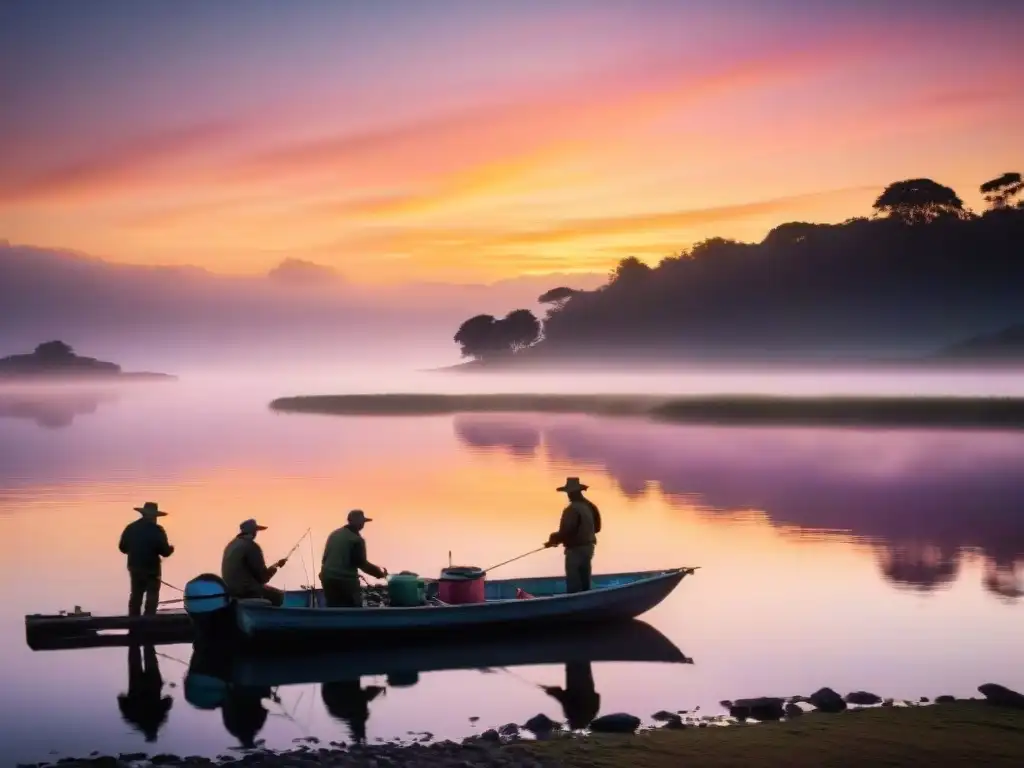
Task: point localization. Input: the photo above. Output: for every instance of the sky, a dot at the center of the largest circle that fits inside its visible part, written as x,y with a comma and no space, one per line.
466,141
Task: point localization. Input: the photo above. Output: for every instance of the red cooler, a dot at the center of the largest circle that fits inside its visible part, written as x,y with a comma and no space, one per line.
461,584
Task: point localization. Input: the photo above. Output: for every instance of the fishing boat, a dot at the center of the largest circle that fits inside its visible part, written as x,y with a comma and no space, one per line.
484,608
632,641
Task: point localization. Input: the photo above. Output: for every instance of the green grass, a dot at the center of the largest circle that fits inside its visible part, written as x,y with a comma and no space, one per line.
961,734
960,412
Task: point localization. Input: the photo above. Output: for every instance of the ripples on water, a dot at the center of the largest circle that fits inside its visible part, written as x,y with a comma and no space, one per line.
859,559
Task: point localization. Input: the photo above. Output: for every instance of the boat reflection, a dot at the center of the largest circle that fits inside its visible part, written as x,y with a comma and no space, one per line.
239,685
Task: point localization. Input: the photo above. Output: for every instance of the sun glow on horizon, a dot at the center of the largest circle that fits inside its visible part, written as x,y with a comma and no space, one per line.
485,143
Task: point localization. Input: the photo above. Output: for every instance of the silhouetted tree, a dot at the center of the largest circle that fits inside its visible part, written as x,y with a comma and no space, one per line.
476,336
518,330
557,296
630,272
919,201
999,192
485,336
54,350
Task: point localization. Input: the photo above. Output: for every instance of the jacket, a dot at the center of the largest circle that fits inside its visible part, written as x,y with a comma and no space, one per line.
345,556
578,527
243,568
145,542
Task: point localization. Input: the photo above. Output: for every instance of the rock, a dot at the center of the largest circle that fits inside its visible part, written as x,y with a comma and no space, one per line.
945,699
509,729
619,722
762,708
663,716
827,700
863,698
793,710
539,724
1001,696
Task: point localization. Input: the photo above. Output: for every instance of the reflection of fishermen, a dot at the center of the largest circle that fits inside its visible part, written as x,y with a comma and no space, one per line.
348,701
143,706
579,699
243,712
577,532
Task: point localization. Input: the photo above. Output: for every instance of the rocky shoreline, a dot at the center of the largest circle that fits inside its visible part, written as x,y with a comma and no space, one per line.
523,745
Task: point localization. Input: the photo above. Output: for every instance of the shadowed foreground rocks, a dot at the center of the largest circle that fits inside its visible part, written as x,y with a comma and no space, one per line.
906,733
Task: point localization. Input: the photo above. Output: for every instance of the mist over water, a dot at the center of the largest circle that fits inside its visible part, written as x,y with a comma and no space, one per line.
887,560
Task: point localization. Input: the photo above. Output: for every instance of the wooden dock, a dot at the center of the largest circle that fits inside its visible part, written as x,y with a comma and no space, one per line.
83,630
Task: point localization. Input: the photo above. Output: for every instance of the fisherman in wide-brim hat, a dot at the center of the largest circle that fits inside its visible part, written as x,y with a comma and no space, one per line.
145,543
577,533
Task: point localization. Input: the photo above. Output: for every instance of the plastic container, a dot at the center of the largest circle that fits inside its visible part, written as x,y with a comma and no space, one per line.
406,590
461,584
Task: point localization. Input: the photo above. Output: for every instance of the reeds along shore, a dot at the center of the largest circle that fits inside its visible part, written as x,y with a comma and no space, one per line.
944,412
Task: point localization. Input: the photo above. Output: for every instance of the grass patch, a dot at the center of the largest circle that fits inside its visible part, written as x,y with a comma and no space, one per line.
948,412
961,734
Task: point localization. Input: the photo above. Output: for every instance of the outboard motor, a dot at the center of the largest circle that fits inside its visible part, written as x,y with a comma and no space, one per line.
212,611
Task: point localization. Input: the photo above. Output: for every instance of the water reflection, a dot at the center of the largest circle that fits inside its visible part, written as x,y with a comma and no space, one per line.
144,706
240,685
921,498
52,409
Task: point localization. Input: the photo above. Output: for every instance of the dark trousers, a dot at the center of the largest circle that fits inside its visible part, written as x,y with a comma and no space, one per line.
577,568
342,593
143,585
273,594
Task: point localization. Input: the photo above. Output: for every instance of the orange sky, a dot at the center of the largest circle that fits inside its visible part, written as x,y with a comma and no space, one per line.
484,143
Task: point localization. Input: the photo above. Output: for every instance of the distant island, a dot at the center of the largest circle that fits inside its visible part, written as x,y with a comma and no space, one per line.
908,285
57,361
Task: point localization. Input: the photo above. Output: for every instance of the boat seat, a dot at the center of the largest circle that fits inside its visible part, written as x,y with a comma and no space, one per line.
254,601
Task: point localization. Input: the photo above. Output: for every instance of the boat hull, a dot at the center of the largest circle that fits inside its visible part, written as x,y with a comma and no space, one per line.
613,598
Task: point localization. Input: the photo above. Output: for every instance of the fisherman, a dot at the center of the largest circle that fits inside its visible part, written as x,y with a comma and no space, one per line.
344,557
577,533
145,542
243,569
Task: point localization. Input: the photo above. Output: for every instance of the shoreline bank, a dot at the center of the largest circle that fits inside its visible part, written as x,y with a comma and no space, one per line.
1003,413
962,732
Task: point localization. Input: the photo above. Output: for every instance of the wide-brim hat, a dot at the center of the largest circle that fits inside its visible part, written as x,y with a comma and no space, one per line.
150,509
572,484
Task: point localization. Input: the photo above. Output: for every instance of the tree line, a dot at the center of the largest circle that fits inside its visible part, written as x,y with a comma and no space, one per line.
922,268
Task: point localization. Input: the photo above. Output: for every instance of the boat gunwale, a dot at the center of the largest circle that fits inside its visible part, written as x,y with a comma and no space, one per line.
656,575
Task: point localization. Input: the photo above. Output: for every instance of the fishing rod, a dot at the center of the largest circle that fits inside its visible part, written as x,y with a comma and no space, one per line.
179,589
520,557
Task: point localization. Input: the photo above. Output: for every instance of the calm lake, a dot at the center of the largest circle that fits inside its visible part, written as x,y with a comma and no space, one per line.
888,561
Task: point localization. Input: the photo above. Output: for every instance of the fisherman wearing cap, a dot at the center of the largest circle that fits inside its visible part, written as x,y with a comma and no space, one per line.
243,569
344,557
145,542
577,532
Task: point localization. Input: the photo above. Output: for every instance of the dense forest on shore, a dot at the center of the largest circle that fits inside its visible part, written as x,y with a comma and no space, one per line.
923,272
